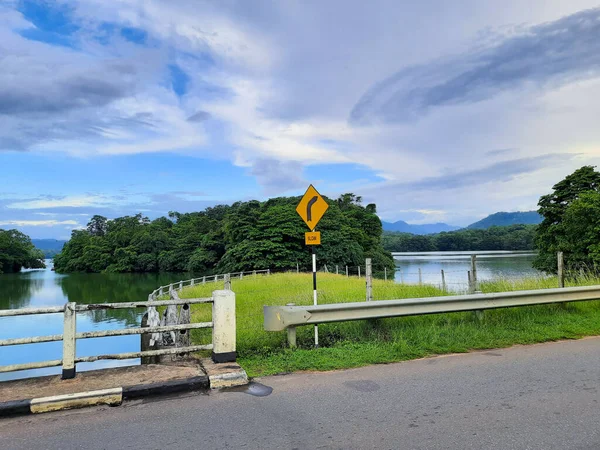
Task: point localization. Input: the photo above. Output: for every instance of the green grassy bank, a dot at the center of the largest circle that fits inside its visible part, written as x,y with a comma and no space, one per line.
359,343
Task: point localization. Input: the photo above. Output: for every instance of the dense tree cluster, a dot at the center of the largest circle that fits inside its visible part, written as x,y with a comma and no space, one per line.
17,251
244,236
571,223
515,237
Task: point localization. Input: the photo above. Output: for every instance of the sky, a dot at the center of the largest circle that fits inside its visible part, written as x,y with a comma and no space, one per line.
436,111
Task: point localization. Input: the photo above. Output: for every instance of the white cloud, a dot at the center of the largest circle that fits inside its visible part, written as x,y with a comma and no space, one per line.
70,201
38,223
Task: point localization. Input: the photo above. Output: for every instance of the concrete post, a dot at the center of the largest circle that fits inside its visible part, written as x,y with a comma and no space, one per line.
227,284
180,285
268,271
385,273
241,275
204,280
358,271
297,268
192,282
420,276
475,283
443,281
70,328
337,270
346,271
369,279
561,269
223,315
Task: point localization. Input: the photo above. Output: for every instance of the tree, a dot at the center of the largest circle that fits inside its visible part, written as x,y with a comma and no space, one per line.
581,232
552,235
17,251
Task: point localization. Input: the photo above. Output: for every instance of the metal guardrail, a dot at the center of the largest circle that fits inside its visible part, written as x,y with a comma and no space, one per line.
223,326
279,318
164,290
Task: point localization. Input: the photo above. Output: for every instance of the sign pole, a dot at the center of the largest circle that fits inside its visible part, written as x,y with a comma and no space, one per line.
311,208
314,266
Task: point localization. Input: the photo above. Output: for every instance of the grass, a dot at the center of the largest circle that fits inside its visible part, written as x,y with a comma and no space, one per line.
359,343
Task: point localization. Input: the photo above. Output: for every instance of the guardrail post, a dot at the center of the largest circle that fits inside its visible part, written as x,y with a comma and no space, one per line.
369,279
180,285
420,276
70,328
443,281
291,333
224,332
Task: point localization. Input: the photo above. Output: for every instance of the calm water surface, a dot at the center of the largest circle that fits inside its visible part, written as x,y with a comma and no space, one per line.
39,288
490,265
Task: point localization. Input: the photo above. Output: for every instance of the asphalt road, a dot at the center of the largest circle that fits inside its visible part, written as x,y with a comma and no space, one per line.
533,397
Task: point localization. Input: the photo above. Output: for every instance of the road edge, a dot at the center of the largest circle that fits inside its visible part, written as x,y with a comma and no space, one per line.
111,397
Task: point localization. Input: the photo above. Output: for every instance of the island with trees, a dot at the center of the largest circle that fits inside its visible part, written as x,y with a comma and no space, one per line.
228,238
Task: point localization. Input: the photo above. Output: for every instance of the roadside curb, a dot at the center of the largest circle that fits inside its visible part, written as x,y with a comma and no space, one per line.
111,397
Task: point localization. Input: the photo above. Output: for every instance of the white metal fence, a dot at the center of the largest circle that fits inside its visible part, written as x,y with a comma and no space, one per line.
164,290
223,328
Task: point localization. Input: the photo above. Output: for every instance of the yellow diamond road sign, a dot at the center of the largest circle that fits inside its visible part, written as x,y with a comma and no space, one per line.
312,207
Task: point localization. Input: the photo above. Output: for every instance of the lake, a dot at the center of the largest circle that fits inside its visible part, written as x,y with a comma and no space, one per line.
38,288
490,265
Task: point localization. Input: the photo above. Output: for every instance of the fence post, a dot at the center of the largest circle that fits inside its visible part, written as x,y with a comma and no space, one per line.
475,283
180,285
69,343
561,269
443,281
227,285
346,271
401,277
223,335
369,277
204,279
291,333
297,268
241,275
268,271
469,278
192,282
337,271
420,277
254,273
358,271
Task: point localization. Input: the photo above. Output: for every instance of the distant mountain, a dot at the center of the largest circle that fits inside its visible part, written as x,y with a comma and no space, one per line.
428,228
502,219
50,247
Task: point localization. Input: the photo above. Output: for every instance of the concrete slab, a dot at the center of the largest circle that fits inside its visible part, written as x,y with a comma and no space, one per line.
225,374
97,380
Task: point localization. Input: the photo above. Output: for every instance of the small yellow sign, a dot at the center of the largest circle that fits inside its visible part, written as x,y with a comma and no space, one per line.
312,238
312,207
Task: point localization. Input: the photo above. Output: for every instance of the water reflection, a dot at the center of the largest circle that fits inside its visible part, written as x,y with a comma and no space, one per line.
38,288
